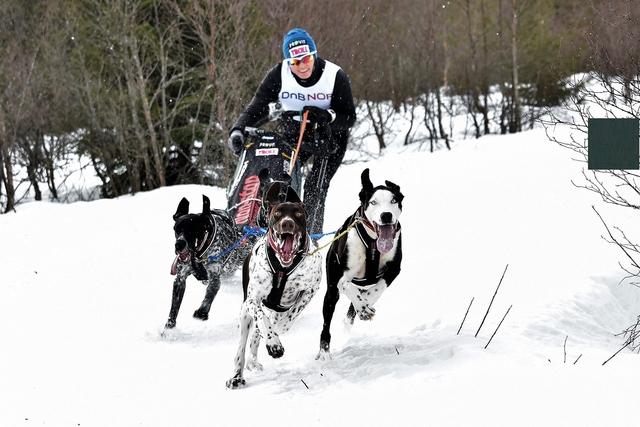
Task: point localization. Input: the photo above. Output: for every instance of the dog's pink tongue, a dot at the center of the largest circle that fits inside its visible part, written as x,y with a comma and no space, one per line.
174,267
385,238
287,247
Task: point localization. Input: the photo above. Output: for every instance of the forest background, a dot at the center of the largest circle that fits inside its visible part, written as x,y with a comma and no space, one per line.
146,90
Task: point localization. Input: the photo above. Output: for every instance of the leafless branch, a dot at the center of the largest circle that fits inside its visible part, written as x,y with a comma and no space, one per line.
465,315
620,245
494,296
616,353
632,335
499,324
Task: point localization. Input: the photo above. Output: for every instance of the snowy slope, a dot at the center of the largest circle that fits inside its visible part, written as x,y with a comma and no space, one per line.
85,292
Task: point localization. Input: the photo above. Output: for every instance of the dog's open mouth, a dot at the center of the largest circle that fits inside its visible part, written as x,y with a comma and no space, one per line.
386,233
286,246
181,258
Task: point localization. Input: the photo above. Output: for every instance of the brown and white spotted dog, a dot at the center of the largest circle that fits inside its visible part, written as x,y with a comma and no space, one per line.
364,261
280,276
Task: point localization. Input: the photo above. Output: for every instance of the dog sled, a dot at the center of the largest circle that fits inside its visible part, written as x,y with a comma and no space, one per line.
267,156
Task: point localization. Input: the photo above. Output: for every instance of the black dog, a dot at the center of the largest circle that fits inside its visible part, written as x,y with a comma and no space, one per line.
364,261
280,277
199,237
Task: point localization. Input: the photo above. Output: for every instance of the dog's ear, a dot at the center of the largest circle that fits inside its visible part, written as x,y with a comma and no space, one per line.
285,185
277,188
269,196
206,205
271,192
292,196
367,186
395,189
364,178
183,209
263,175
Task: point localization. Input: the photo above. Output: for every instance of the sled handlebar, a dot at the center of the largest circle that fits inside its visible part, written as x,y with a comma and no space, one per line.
275,115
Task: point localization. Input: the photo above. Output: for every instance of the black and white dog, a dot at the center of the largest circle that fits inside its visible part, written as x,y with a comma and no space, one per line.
198,237
280,277
364,261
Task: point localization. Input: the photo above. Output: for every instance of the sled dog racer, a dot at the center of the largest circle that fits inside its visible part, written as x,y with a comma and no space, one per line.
305,82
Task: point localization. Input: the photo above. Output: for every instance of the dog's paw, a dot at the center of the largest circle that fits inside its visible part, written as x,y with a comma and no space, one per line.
366,313
324,355
235,383
253,364
171,323
366,316
275,350
201,314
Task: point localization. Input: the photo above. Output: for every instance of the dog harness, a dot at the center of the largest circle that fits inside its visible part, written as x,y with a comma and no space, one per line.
208,238
371,276
199,271
280,276
203,247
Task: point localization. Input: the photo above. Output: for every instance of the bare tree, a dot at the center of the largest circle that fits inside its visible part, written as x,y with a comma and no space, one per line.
6,168
516,119
237,57
612,89
36,103
148,89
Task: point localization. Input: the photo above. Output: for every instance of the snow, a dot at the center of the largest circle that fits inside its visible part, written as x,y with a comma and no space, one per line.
86,291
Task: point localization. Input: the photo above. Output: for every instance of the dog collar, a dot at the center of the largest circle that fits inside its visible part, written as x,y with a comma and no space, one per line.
206,242
364,220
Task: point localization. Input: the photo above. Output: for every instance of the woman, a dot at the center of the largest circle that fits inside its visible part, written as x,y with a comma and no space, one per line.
305,82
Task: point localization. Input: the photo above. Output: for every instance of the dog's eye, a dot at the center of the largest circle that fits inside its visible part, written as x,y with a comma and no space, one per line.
298,214
373,203
277,214
394,200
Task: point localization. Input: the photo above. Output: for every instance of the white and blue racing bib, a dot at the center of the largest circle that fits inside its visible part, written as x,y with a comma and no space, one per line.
294,97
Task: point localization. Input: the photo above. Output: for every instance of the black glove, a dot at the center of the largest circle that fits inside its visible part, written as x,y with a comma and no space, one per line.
317,115
236,141
319,141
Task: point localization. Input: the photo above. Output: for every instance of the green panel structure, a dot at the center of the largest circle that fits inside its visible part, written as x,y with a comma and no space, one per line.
614,144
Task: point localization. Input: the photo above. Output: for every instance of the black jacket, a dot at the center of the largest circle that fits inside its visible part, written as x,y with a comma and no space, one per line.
341,100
